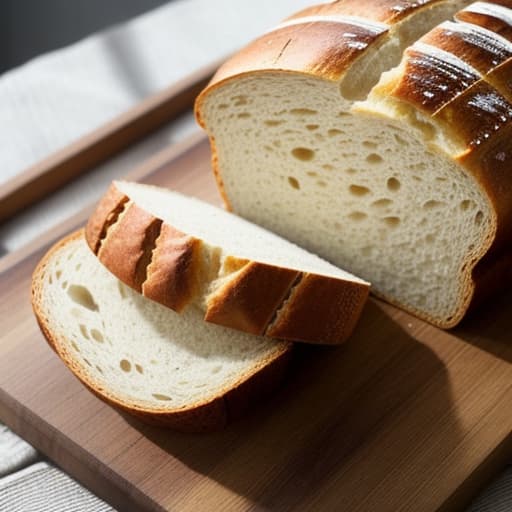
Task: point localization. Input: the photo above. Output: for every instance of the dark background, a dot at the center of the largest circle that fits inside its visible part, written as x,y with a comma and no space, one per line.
31,27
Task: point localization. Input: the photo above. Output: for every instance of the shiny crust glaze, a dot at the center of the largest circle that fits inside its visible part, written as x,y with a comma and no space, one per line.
385,11
479,114
168,266
480,48
495,16
203,416
324,49
431,78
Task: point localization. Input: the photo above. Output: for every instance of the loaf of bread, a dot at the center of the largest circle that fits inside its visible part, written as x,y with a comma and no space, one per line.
399,174
163,367
180,251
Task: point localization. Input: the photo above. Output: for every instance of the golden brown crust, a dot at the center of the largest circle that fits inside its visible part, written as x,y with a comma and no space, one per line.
314,309
428,81
106,212
324,50
501,78
249,301
385,11
125,249
174,268
201,417
496,23
479,49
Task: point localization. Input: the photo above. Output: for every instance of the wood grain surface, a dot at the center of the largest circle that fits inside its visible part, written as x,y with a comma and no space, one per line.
404,417
103,143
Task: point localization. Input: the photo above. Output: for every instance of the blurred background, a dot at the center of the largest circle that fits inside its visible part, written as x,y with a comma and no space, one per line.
29,28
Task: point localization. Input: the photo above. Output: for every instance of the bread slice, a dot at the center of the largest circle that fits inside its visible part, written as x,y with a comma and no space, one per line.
407,187
165,368
181,251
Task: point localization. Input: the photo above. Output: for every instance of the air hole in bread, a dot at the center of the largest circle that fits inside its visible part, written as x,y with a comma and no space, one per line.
399,140
75,346
479,217
313,174
240,100
223,106
393,184
163,398
359,190
244,115
312,127
139,368
99,369
83,331
303,154
466,204
321,183
217,369
392,222
87,362
370,144
382,203
294,183
82,296
125,365
303,112
334,132
374,158
328,167
273,122
430,238
97,336
78,266
58,274
432,204
357,216
350,170
64,285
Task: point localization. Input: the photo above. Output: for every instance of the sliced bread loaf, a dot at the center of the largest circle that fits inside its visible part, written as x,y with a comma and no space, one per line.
408,188
181,251
170,369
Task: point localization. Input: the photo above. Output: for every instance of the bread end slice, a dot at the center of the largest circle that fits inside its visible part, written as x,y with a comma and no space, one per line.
142,358
181,252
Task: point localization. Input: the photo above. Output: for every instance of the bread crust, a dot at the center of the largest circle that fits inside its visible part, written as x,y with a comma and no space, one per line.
493,22
167,266
203,416
306,310
250,300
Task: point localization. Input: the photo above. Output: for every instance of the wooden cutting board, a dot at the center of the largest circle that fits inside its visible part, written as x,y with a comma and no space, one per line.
403,417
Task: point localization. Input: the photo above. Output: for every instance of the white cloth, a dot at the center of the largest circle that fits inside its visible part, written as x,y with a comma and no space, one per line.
62,95
44,488
14,452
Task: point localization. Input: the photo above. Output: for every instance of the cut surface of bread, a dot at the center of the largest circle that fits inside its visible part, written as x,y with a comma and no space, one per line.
163,367
181,251
406,188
